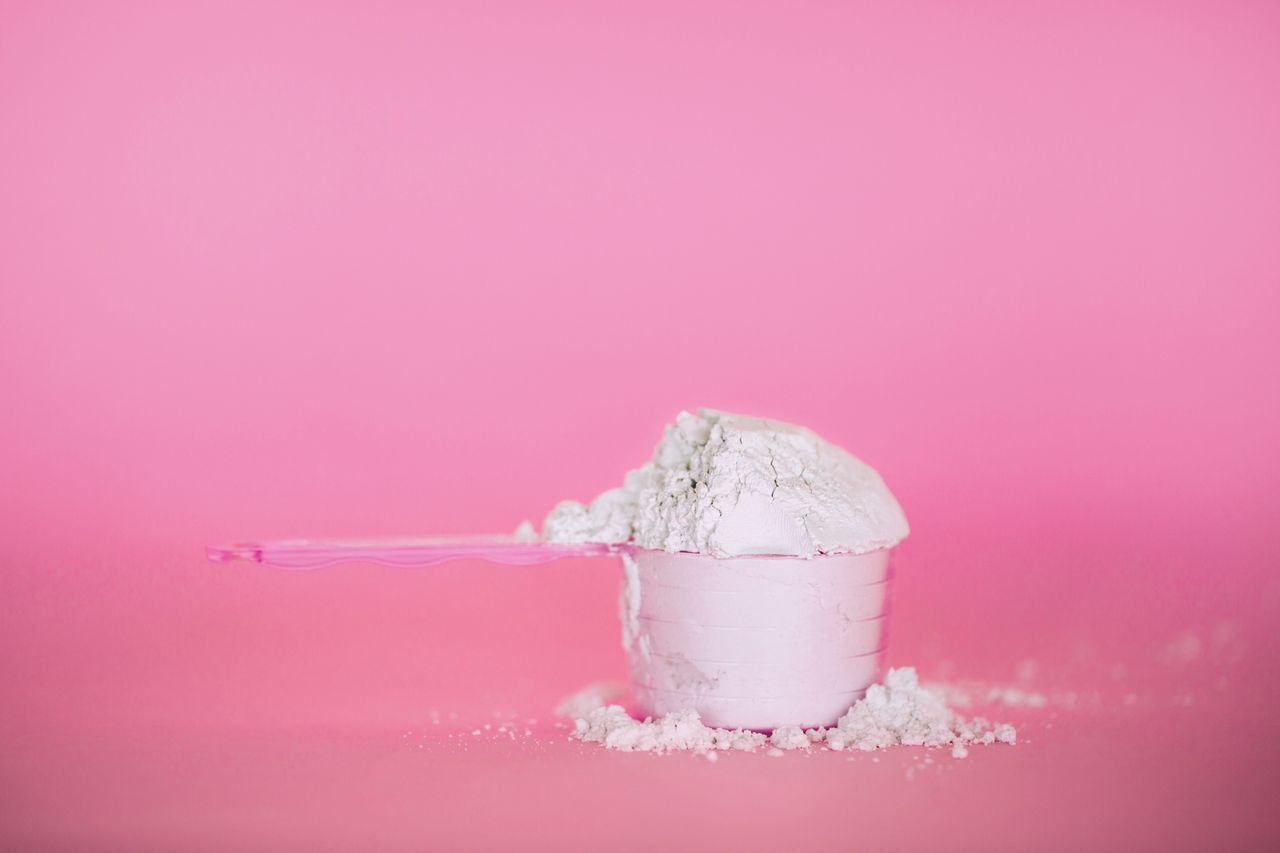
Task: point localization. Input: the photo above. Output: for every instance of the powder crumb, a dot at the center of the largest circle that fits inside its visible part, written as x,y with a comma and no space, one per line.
612,727
712,756
593,696
973,694
526,532
898,712
1184,648
790,737
1015,697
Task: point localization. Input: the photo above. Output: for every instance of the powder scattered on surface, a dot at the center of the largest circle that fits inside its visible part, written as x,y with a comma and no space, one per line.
1016,697
734,485
589,698
899,712
971,694
789,737
613,727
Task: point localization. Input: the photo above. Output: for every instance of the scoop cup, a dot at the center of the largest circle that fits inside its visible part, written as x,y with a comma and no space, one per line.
754,642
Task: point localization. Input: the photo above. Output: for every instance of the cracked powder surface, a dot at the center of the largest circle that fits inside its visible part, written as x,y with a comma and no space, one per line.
735,485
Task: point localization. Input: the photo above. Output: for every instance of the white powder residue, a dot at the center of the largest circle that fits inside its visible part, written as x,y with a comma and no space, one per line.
613,727
790,737
1217,645
525,532
1184,648
589,698
971,694
734,485
898,712
1016,697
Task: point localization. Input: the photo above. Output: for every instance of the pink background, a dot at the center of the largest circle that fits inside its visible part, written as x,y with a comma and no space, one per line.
326,269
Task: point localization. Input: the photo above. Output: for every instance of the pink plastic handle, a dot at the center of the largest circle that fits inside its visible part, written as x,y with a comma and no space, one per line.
406,552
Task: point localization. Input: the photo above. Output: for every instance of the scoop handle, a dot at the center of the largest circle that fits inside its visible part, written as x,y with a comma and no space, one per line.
408,552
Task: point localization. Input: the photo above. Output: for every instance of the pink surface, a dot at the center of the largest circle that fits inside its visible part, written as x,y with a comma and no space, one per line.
273,270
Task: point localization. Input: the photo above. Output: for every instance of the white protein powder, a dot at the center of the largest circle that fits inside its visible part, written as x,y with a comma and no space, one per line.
733,485
899,712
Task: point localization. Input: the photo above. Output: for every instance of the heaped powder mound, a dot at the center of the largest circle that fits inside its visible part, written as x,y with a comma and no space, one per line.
757,597
733,485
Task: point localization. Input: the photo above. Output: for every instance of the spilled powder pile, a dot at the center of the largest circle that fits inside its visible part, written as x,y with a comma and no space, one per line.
897,712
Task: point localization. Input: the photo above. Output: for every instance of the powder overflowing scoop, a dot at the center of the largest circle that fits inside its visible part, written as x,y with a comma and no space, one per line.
718,484
756,575
733,485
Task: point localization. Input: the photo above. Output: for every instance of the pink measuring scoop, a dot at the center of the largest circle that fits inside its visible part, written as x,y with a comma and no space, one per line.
407,552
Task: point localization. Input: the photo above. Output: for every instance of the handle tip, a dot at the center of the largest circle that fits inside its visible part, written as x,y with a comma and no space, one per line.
231,553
